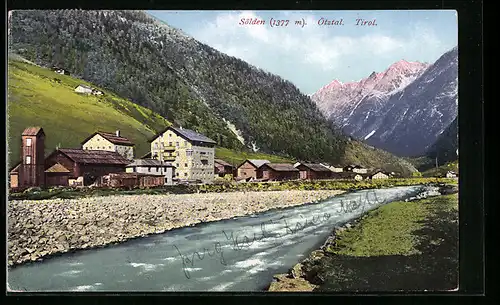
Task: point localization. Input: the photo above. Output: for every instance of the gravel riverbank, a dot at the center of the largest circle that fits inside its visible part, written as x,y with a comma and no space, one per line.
39,228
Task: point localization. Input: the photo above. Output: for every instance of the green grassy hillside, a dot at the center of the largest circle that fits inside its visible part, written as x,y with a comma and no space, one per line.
441,170
237,157
360,153
35,98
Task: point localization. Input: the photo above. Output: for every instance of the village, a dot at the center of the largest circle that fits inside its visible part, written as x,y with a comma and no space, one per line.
177,156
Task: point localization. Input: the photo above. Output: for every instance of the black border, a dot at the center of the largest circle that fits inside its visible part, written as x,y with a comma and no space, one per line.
471,143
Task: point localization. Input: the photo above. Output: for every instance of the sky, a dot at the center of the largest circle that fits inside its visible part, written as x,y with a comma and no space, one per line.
312,55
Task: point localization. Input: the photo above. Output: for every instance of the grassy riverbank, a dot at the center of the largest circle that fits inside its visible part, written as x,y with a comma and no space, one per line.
410,246
345,185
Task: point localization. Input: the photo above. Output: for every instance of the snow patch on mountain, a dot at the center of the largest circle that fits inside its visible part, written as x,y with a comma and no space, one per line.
408,104
369,135
233,128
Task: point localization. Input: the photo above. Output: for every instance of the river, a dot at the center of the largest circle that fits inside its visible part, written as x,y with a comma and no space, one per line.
239,254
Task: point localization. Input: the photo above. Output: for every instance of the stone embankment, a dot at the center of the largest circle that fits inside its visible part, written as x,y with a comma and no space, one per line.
40,228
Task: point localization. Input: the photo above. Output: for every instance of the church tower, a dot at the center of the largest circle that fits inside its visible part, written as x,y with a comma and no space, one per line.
31,169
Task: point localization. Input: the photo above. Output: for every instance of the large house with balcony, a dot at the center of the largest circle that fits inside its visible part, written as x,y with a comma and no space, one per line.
190,152
110,141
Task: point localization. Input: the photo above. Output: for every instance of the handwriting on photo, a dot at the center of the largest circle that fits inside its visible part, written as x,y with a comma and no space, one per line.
238,241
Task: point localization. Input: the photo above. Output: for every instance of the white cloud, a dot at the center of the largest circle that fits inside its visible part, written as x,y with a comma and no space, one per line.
311,44
310,47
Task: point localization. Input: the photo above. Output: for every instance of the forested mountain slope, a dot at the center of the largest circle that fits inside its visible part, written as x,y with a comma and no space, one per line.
187,82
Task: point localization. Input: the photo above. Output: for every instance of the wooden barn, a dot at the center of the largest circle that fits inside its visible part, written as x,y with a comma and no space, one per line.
131,180
57,175
278,171
222,168
313,171
80,162
248,169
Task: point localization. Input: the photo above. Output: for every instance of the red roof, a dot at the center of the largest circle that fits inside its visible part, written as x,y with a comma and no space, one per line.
32,131
94,156
111,137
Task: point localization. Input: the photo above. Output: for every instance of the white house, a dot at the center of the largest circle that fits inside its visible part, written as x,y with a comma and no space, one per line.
359,169
84,89
110,141
60,71
336,168
379,175
192,153
451,174
152,166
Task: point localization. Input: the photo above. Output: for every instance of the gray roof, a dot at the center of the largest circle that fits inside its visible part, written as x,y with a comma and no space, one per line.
316,167
282,167
257,162
193,135
189,134
84,86
149,162
222,162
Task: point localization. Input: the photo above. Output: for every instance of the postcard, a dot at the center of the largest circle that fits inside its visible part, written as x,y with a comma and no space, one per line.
243,151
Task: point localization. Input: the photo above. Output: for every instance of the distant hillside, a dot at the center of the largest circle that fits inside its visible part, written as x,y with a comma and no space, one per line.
36,98
185,81
189,83
446,146
368,156
441,170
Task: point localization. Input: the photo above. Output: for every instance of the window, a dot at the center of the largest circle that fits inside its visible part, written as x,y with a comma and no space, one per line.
97,139
185,165
189,153
109,147
176,164
177,174
28,142
185,174
177,144
169,134
169,143
149,168
28,159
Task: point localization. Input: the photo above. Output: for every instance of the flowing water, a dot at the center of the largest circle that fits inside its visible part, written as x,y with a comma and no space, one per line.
239,254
